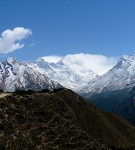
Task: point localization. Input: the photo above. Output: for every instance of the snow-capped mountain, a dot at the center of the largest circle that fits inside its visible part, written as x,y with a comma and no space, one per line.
121,76
18,76
64,72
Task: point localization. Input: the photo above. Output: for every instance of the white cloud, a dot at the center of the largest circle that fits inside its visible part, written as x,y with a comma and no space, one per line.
99,64
10,39
51,58
81,63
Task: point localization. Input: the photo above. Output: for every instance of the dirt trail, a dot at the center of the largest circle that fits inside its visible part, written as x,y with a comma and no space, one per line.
4,94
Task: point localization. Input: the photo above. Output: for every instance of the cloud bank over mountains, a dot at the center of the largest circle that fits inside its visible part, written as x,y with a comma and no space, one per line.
99,64
11,39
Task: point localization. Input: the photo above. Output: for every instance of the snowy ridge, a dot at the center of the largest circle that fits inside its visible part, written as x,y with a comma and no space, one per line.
67,74
121,76
18,76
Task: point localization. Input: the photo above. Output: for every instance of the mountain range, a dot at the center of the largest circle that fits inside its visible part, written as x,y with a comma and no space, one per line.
24,75
107,91
15,75
68,74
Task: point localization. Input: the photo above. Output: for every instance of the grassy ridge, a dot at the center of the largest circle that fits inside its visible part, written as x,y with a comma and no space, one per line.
60,120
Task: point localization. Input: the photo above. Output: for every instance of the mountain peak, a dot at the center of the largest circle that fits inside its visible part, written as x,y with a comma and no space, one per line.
49,59
11,60
126,61
40,59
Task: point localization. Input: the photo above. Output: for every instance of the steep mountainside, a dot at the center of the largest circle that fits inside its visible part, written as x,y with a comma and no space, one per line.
127,108
121,76
111,89
17,76
68,75
61,120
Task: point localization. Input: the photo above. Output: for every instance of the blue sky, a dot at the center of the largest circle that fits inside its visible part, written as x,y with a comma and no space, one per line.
61,27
